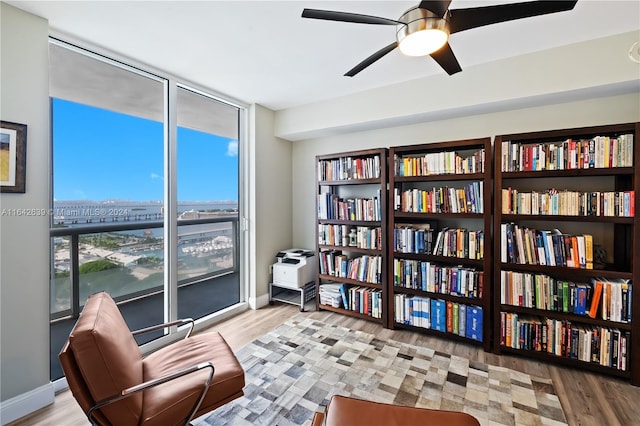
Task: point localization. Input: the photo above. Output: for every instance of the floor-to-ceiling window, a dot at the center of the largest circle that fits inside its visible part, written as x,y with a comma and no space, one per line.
140,209
207,189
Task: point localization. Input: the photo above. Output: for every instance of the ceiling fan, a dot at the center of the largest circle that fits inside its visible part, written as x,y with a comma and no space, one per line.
425,29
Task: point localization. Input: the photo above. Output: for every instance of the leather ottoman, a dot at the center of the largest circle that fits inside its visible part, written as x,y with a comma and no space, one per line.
346,411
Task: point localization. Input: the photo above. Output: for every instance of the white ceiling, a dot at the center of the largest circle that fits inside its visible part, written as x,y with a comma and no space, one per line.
264,52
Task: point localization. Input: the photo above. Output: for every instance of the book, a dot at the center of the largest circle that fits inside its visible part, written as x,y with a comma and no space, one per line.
503,242
424,310
449,317
343,292
582,260
581,299
438,315
474,323
456,318
547,243
588,251
462,317
595,299
568,244
542,255
558,245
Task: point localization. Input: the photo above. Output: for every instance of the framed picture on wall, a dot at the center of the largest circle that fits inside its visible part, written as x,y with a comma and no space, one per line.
13,157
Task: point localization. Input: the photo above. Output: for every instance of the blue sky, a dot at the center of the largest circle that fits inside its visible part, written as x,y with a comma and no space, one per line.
101,155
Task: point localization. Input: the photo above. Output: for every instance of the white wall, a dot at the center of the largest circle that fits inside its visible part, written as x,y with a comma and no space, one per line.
24,243
270,177
573,72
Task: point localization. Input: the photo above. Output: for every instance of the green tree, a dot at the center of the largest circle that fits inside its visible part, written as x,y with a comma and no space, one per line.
97,266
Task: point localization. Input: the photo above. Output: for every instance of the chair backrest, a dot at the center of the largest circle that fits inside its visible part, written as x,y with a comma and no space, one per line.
101,358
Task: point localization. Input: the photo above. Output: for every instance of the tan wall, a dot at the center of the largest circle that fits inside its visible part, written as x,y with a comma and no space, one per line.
590,112
24,244
271,212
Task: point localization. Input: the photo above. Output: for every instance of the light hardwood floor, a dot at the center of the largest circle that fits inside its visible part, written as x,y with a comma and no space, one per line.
587,398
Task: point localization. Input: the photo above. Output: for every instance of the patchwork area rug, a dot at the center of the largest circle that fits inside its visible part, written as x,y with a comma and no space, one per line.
295,369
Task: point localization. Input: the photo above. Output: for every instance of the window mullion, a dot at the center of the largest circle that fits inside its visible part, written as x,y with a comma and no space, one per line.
170,204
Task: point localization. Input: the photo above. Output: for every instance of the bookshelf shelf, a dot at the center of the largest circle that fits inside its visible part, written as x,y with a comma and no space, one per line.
350,248
419,215
442,334
440,177
565,316
569,362
351,231
445,296
349,182
569,173
445,187
560,218
562,271
349,313
440,259
594,168
350,222
350,281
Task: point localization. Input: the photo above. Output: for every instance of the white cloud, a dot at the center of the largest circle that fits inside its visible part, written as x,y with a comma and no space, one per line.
156,176
232,149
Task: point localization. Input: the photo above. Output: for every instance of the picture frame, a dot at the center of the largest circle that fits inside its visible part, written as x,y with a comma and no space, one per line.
13,157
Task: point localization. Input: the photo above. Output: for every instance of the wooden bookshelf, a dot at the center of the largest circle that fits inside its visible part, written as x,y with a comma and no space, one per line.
447,187
581,182
351,230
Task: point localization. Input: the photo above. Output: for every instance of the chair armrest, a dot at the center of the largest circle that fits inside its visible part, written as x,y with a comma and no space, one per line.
168,324
318,419
125,393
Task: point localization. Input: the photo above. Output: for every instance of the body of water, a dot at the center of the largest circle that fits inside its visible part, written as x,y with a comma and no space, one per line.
82,212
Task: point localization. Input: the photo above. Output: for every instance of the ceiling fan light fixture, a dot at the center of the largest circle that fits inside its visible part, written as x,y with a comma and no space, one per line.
425,29
421,32
422,43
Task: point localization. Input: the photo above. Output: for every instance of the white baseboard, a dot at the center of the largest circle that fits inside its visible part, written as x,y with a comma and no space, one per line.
26,403
259,302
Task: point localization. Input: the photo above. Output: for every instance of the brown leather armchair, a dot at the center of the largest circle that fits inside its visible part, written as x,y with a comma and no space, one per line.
115,385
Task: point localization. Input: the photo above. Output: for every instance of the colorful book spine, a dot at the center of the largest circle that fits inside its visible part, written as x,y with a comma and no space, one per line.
474,323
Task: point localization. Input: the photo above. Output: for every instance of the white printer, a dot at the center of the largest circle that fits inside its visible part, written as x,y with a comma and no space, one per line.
294,268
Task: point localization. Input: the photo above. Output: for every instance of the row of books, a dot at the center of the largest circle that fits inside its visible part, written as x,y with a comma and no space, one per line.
601,345
347,168
551,248
445,316
460,243
342,235
427,276
332,207
363,268
364,300
441,200
568,203
602,298
416,238
439,163
598,152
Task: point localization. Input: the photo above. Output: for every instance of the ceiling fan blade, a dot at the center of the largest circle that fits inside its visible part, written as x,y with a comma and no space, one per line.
357,18
439,7
446,59
465,19
371,59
